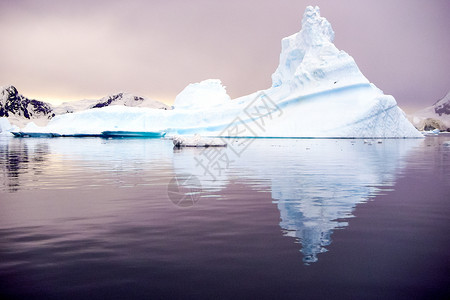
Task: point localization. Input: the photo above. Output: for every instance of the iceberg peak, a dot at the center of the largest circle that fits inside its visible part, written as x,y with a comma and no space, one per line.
316,30
310,60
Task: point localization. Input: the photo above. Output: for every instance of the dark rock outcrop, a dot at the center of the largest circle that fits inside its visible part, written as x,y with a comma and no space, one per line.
442,108
14,104
114,98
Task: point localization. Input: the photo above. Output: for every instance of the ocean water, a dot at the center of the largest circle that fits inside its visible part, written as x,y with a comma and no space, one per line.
262,218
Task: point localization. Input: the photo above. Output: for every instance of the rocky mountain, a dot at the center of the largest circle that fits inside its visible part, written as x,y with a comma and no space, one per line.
442,107
436,116
14,104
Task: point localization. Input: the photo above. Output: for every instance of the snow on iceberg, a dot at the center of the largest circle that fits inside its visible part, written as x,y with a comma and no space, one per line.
97,120
317,91
208,93
6,128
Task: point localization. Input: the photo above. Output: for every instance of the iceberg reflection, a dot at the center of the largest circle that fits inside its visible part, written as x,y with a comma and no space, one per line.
315,183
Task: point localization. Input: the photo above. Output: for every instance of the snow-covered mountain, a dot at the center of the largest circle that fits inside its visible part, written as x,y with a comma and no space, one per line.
20,110
125,99
317,91
436,116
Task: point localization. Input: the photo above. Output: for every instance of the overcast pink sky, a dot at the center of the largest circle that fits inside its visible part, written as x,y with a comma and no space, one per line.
71,50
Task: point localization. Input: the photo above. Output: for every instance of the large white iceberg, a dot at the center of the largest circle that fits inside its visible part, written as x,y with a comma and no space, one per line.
317,91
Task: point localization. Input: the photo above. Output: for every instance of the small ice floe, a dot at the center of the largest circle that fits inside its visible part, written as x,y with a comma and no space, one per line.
196,141
431,132
370,142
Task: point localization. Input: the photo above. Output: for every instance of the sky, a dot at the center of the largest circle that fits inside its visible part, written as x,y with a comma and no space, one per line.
56,50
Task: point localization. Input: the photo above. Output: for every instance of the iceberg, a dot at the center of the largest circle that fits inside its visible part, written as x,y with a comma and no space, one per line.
317,91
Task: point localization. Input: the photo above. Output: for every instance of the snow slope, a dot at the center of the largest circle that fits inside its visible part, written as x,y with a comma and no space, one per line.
435,116
317,91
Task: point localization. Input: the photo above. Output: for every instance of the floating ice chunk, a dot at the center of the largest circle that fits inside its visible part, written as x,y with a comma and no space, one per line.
196,141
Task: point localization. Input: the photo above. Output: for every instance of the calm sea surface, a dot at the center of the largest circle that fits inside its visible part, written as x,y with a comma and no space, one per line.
263,218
